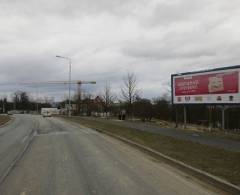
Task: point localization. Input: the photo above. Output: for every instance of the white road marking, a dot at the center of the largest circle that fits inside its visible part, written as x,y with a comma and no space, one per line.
24,139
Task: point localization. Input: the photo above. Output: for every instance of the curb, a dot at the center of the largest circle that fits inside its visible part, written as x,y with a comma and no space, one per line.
202,175
18,157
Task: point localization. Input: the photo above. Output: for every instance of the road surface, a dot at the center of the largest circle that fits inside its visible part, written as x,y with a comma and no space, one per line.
197,137
68,159
13,138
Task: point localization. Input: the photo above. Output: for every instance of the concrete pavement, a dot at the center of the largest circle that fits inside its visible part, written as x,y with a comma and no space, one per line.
68,159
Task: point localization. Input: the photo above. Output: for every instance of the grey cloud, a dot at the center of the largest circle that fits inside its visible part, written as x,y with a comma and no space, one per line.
174,11
107,38
29,68
162,53
205,14
70,8
166,49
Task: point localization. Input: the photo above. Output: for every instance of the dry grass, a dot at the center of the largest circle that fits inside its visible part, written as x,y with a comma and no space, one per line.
4,119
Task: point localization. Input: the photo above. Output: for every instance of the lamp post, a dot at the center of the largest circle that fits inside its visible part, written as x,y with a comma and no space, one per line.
69,84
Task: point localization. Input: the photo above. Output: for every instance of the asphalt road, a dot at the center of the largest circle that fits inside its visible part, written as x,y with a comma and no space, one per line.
13,138
68,159
223,143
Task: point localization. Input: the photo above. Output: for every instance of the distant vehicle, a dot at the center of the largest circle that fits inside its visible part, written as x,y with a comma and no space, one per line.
48,112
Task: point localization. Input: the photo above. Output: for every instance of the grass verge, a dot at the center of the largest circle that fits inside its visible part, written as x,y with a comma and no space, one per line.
4,119
213,134
219,162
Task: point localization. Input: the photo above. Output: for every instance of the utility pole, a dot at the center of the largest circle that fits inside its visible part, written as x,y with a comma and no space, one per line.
69,84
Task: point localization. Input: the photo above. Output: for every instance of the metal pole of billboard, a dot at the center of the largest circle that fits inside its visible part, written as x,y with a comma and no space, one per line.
176,109
224,108
210,117
223,118
185,116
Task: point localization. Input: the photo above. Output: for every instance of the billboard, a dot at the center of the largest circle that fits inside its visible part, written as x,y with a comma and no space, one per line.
216,86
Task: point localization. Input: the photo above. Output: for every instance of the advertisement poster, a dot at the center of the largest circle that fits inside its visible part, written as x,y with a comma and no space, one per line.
206,87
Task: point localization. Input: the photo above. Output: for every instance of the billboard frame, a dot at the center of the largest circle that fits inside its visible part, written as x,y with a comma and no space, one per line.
199,72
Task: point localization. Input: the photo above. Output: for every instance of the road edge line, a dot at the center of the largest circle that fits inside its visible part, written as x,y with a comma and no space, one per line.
202,175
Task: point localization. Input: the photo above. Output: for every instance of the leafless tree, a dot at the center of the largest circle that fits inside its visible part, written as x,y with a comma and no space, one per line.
130,91
108,97
21,100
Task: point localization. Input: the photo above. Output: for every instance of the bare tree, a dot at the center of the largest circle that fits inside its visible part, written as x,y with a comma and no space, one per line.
21,100
130,91
108,97
16,99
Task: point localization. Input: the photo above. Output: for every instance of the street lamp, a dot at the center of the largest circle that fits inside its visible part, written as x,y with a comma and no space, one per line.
69,85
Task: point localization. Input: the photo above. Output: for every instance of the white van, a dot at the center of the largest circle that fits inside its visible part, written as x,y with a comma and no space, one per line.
46,113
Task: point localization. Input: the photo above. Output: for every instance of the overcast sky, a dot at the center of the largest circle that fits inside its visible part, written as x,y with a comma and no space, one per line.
108,38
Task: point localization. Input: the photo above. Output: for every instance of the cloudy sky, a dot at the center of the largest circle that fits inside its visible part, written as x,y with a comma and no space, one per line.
108,38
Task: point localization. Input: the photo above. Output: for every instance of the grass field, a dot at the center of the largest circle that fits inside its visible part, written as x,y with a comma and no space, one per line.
4,119
219,162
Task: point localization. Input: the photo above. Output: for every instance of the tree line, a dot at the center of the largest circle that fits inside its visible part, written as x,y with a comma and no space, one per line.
130,103
21,101
160,108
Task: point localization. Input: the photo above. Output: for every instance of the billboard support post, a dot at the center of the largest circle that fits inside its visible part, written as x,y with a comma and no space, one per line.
176,116
210,118
223,118
224,108
185,116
